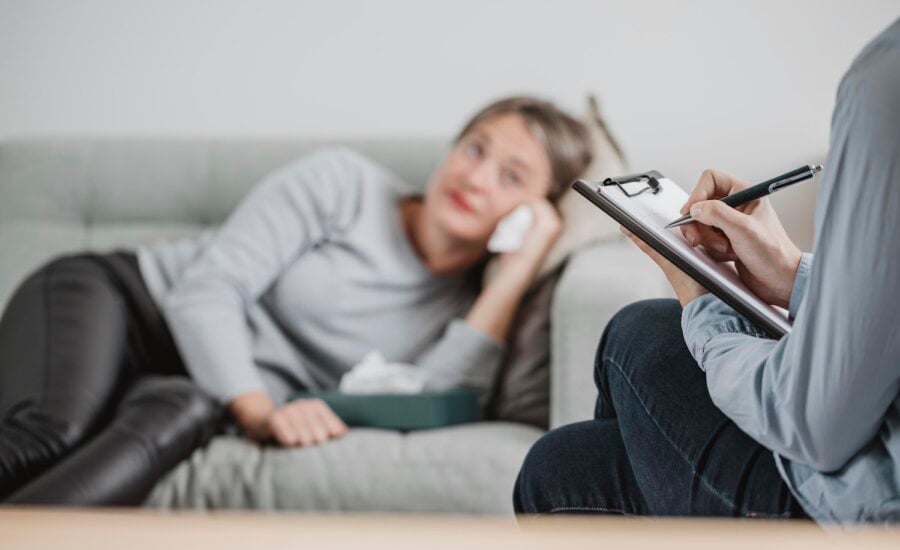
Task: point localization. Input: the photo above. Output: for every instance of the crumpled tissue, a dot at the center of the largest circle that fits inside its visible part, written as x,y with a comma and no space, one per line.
375,375
511,230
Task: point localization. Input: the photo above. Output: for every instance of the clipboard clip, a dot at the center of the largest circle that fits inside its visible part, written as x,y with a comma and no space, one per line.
651,178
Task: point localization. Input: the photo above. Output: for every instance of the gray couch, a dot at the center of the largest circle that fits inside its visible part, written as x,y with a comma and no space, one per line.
62,195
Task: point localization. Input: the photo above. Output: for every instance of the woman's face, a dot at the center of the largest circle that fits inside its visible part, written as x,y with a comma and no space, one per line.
495,167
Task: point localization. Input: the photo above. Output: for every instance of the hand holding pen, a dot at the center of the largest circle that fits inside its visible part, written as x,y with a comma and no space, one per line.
752,237
760,190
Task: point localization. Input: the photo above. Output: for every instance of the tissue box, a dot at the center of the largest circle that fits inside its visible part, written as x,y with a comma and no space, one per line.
401,411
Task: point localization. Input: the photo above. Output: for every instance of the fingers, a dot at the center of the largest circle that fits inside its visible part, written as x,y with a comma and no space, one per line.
645,248
729,256
686,289
712,239
334,425
283,430
713,184
310,431
715,213
546,217
305,422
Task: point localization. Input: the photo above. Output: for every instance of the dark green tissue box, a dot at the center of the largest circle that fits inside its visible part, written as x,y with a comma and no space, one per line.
401,411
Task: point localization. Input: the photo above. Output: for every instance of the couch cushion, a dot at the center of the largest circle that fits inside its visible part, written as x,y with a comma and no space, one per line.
468,468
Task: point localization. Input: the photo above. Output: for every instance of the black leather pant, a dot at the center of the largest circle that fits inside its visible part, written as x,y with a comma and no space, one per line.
95,402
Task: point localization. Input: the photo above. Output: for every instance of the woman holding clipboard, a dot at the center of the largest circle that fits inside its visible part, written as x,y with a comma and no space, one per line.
700,413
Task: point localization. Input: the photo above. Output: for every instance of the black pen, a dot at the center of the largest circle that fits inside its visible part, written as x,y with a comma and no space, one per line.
761,190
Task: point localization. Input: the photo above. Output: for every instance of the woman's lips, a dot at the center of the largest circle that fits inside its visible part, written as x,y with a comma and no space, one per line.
460,201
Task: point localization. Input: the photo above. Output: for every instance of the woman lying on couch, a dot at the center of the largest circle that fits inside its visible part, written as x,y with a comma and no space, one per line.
700,414
325,260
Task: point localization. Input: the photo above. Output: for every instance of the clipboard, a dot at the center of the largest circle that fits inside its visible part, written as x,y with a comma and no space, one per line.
644,203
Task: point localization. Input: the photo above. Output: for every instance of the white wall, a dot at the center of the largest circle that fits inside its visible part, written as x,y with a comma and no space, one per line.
744,86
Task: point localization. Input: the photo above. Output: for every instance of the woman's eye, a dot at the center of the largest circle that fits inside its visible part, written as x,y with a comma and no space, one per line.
474,150
511,178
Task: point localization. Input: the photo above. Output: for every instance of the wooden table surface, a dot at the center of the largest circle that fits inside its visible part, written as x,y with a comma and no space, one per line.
120,529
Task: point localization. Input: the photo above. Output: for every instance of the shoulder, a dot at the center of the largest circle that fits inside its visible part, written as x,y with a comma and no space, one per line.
343,184
332,173
349,163
874,76
337,157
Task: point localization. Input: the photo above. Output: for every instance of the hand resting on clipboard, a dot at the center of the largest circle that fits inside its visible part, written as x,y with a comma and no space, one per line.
644,204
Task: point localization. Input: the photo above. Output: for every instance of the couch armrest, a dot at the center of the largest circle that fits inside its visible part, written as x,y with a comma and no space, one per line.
597,282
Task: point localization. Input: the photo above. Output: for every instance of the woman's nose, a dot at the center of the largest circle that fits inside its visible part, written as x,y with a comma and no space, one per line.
481,176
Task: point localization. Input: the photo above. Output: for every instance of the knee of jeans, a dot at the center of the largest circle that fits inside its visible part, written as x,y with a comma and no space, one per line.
536,477
639,325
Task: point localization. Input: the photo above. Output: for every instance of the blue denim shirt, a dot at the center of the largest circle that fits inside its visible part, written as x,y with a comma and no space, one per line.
826,397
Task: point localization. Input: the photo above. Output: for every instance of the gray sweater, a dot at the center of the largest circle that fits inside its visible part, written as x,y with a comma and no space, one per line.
309,273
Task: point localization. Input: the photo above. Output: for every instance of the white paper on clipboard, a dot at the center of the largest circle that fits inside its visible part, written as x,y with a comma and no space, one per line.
655,211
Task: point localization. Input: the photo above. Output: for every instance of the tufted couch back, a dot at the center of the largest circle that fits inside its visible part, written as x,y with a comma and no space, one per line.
63,195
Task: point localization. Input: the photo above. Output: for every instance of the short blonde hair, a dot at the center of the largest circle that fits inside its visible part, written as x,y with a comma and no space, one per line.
566,140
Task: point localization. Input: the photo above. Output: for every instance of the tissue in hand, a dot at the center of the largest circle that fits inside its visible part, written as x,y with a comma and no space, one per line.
375,375
511,230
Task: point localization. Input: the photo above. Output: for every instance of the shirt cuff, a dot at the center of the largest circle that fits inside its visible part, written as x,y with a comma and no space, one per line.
798,290
706,317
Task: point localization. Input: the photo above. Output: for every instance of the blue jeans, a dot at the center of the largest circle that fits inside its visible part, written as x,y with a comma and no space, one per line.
657,444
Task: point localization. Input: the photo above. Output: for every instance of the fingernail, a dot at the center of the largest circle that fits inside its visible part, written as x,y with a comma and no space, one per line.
696,210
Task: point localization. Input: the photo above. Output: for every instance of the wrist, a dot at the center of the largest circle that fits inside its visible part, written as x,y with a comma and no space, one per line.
686,289
252,410
513,278
689,295
493,311
792,265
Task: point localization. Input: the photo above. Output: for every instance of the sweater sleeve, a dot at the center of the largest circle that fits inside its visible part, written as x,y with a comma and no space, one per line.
289,212
464,357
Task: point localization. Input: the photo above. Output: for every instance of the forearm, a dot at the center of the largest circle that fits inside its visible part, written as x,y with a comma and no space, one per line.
493,311
208,324
464,357
812,403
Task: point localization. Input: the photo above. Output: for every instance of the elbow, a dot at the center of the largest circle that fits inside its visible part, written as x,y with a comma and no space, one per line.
834,435
171,302
827,450
826,462
181,300
168,304
833,451
189,294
